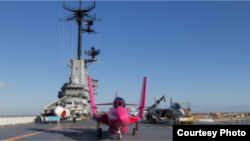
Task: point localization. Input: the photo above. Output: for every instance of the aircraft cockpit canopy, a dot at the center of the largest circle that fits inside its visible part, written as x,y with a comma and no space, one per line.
119,102
60,104
176,105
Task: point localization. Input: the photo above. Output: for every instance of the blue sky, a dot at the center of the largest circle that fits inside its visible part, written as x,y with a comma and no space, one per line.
195,52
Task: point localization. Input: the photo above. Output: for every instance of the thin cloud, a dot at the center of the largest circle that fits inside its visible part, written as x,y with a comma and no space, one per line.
1,84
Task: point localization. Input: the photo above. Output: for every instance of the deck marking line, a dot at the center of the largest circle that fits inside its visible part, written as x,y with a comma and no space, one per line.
108,127
22,136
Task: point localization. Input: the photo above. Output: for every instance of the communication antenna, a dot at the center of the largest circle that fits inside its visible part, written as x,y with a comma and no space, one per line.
79,15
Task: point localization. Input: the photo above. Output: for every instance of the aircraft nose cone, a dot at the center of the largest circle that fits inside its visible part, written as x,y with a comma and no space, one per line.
119,120
58,110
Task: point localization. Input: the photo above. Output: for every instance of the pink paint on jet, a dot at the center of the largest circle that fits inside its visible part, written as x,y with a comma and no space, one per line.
118,118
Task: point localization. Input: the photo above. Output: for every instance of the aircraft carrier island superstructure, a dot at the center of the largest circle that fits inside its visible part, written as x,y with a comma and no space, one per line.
74,95
77,87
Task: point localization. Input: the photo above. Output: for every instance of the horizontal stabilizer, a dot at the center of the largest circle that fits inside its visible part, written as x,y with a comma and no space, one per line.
132,104
105,104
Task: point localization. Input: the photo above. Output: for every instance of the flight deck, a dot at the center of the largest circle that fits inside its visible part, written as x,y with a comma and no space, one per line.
85,130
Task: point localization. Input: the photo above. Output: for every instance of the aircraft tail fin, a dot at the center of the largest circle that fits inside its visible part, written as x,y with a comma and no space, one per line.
143,98
171,103
156,105
92,100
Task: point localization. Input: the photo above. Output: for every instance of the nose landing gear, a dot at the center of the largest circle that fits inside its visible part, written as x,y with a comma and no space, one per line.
119,135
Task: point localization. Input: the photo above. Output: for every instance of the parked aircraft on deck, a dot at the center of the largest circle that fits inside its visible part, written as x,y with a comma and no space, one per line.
66,108
174,112
119,117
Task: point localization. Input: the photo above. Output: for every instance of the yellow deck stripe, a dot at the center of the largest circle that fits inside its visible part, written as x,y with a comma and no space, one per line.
22,136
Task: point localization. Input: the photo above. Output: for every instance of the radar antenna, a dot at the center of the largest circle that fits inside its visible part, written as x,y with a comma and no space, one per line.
79,15
92,52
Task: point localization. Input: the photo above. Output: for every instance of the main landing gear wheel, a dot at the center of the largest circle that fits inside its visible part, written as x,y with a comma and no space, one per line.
134,131
100,131
74,119
119,136
154,120
177,121
148,117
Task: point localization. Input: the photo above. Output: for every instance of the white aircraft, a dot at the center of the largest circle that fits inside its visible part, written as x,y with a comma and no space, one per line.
174,112
66,107
133,112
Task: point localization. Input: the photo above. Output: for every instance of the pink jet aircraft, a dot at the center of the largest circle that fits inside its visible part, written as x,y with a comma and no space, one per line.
118,118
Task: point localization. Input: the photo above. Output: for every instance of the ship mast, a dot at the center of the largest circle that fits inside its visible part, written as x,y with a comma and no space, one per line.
79,15
77,85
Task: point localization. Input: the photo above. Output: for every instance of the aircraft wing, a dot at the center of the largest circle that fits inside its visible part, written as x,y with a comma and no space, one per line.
103,119
77,109
134,119
112,104
159,110
143,98
54,103
163,112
